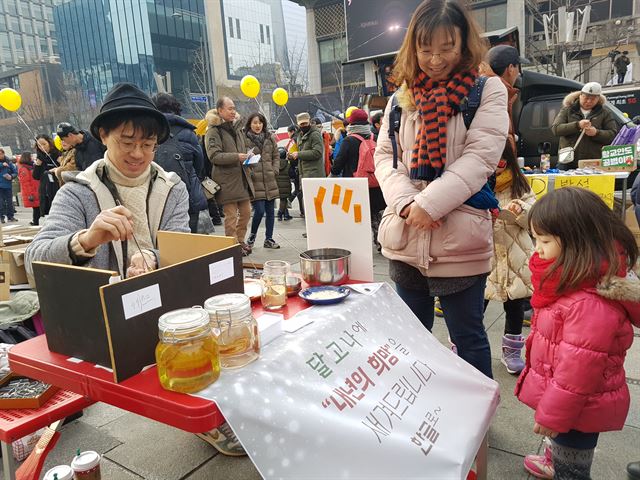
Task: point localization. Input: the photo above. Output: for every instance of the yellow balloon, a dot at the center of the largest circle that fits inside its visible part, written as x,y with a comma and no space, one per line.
280,97
347,114
250,86
10,99
57,141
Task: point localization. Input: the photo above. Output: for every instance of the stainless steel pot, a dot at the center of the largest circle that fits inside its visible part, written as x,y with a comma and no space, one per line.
325,266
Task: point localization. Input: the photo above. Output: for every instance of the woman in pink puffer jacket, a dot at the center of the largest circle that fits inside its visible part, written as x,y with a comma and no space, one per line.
585,304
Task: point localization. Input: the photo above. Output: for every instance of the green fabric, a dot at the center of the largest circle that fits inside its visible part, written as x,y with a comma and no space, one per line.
21,307
310,156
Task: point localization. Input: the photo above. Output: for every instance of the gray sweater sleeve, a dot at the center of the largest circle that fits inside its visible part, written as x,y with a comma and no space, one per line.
175,217
68,215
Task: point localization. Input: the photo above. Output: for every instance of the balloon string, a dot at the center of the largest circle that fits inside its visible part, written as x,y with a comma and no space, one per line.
290,117
35,138
264,114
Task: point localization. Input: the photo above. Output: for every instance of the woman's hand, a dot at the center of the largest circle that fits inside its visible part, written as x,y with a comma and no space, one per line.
419,218
138,266
547,432
110,225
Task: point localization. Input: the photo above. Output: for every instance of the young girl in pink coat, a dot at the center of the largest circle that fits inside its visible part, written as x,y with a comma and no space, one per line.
585,300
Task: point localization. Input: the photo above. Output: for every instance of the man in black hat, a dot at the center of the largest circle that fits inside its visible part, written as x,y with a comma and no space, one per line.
108,216
88,149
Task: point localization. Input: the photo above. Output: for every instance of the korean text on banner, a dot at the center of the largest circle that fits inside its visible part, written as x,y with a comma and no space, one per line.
367,392
602,185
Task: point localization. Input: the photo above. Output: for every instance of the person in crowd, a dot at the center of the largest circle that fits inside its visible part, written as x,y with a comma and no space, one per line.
510,279
436,244
189,146
44,170
635,197
88,148
284,186
263,177
8,172
338,137
621,65
585,305
67,162
376,123
326,144
227,149
583,117
294,173
96,216
29,186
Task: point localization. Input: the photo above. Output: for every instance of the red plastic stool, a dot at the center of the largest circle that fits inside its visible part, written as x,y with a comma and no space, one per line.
17,423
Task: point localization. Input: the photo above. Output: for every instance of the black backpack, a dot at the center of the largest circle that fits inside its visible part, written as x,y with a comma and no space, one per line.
171,156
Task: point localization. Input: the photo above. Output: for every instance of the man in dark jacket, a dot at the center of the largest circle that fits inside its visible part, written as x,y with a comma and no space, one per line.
310,149
583,112
8,172
88,149
622,64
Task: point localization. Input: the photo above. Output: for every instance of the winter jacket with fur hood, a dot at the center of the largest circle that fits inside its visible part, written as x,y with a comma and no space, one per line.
566,127
462,246
574,376
510,277
223,142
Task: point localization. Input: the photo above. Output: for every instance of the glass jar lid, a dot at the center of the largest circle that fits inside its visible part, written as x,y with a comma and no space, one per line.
233,306
184,321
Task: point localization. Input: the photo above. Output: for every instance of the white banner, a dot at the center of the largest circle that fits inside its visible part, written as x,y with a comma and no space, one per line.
363,392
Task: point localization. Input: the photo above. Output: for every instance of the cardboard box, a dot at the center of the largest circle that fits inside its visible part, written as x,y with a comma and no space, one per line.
18,234
14,257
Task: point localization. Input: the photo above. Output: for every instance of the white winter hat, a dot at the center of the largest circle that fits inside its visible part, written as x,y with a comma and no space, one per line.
592,88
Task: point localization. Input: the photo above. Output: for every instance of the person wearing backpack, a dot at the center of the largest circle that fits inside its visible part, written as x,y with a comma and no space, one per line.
437,228
355,159
183,142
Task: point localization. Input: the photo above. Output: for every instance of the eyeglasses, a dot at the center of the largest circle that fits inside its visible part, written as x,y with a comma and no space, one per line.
128,146
445,55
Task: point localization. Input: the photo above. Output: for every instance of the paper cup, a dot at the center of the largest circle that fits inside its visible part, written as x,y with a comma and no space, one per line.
63,472
86,466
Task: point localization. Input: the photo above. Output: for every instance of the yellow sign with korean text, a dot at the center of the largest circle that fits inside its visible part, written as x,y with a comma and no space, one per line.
602,185
539,184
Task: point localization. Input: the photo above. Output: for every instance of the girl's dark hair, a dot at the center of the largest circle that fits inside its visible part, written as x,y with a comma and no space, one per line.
167,103
590,233
247,126
142,123
519,184
25,157
52,146
428,17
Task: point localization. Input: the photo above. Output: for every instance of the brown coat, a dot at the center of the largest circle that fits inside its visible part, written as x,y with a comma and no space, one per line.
264,173
223,142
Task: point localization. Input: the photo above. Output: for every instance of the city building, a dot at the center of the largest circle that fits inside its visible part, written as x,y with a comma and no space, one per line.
295,25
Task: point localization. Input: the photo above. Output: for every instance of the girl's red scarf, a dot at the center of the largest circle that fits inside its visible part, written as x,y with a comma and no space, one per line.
547,293
437,102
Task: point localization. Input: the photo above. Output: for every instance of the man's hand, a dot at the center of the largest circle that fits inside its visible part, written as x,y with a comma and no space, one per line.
242,157
137,265
7,176
590,132
110,225
294,155
584,124
5,164
547,432
419,219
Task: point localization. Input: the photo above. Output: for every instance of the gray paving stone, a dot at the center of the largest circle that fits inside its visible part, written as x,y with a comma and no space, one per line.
505,466
222,467
156,451
99,414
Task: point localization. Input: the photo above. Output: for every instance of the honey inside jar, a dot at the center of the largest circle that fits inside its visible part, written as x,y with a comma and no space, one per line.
187,355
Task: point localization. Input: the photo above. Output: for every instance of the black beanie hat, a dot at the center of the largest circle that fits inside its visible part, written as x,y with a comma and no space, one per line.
126,98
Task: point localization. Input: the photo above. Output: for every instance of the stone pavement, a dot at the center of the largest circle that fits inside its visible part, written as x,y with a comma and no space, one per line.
137,448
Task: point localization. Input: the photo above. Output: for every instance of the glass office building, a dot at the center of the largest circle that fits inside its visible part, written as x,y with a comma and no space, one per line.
103,42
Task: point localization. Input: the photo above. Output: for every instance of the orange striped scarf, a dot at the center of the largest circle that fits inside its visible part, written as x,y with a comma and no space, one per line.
437,102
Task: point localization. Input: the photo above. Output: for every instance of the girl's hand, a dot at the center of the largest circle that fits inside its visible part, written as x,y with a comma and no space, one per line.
547,432
514,207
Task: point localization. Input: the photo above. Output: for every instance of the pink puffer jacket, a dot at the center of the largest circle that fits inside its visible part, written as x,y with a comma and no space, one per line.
463,245
574,376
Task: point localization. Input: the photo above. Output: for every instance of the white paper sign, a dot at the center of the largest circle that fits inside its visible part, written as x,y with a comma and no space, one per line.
141,301
365,392
337,216
219,271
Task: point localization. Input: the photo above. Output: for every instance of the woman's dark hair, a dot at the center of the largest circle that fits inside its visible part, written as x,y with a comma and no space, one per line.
428,17
142,123
25,157
47,138
167,103
589,233
519,184
247,126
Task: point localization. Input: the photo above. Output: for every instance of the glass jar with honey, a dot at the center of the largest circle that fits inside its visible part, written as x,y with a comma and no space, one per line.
187,355
274,284
236,329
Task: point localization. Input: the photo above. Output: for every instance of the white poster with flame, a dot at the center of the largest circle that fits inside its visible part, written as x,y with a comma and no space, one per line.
337,216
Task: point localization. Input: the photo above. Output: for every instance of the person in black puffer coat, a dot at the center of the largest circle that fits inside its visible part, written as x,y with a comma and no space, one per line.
46,163
88,148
